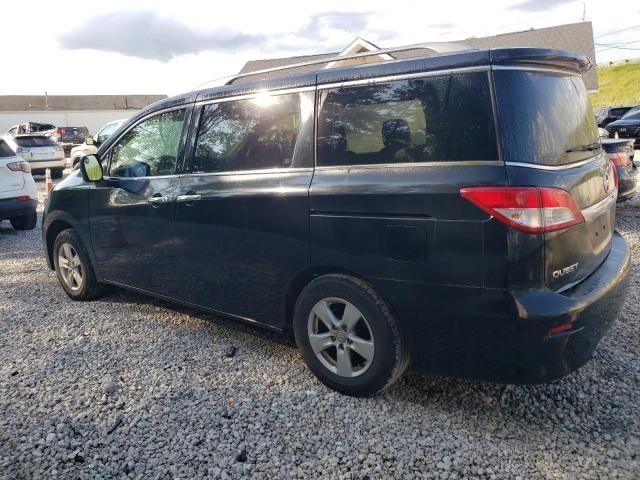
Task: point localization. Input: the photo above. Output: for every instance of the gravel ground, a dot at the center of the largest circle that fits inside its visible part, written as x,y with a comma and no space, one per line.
128,386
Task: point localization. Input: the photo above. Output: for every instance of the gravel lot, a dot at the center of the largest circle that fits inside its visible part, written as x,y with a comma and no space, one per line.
128,386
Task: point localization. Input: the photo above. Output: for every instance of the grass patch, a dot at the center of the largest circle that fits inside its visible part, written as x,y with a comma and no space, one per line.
619,85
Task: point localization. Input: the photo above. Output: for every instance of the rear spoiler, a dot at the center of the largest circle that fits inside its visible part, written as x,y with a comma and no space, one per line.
542,57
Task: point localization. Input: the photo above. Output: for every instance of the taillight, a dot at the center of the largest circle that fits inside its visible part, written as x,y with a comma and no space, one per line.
528,209
19,167
60,131
620,159
615,173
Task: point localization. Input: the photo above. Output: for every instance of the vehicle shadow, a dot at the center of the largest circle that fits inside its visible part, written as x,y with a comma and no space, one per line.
126,297
544,405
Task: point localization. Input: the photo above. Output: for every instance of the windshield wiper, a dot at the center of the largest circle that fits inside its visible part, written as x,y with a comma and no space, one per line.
585,148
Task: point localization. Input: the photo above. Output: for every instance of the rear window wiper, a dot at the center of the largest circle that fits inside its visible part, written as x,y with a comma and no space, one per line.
585,148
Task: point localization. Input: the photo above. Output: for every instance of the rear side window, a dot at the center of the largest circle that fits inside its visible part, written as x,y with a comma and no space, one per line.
254,134
545,118
34,141
5,150
446,118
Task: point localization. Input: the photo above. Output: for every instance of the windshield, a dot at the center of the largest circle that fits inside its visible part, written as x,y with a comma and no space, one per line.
634,114
545,118
35,141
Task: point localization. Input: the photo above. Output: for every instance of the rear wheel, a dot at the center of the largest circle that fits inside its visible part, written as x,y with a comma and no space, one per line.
73,267
25,222
57,173
348,336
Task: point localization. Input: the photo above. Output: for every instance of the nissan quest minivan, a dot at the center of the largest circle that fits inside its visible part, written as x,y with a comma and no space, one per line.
455,213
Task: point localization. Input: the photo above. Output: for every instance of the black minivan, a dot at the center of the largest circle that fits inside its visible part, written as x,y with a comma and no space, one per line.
454,213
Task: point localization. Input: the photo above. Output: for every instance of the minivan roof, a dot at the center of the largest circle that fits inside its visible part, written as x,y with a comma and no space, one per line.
543,57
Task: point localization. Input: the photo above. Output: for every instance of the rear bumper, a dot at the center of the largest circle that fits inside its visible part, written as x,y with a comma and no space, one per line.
10,207
591,307
41,165
503,336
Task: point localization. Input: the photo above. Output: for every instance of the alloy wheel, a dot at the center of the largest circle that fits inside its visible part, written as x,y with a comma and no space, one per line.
341,337
70,266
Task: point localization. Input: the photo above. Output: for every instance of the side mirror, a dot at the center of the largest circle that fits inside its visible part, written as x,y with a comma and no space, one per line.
89,140
90,168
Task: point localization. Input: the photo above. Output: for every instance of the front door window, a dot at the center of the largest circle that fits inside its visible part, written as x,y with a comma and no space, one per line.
150,149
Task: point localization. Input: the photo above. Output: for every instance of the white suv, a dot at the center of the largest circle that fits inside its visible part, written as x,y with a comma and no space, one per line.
40,151
18,194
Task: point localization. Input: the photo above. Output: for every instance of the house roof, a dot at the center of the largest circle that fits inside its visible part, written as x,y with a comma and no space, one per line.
20,103
574,37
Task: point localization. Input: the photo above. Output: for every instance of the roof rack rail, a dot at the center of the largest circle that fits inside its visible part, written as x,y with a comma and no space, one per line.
435,47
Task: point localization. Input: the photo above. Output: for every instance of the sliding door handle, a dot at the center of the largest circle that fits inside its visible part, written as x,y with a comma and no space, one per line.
188,198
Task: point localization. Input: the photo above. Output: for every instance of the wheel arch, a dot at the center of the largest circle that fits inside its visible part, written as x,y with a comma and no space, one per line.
56,222
302,279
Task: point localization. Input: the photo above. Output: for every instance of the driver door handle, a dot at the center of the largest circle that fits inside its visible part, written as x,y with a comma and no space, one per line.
188,198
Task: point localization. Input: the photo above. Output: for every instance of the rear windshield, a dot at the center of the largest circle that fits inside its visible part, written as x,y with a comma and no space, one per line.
34,141
5,150
545,118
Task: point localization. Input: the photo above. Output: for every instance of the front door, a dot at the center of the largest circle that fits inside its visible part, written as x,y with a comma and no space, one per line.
242,214
132,209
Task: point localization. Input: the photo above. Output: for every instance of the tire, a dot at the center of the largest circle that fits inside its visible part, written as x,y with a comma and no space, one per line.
57,173
27,221
375,328
69,246
75,161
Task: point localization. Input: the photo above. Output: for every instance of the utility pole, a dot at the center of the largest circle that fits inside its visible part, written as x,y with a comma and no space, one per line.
584,11
46,100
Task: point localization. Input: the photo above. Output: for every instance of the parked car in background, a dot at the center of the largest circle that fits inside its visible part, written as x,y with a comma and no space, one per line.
627,127
91,144
620,152
34,127
438,211
605,116
18,195
40,151
72,135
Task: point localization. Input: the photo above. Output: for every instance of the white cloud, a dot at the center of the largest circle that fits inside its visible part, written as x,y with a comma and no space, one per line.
179,45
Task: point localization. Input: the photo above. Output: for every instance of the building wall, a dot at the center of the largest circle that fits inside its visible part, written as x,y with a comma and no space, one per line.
94,120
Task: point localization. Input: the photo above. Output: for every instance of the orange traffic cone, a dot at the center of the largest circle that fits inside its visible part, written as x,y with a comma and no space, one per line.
47,181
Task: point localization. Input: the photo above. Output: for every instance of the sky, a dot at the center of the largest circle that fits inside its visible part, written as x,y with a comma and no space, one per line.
151,47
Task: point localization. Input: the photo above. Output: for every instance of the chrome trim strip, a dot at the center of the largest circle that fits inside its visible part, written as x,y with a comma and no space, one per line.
390,78
175,175
597,209
555,167
249,96
263,171
467,163
538,68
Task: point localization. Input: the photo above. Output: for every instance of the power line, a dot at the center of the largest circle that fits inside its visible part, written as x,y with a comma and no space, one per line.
617,31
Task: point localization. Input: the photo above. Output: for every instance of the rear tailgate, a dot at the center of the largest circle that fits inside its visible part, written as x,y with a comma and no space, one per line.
574,253
550,139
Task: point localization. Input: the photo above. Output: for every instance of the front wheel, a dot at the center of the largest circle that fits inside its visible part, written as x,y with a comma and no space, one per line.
348,335
57,173
73,267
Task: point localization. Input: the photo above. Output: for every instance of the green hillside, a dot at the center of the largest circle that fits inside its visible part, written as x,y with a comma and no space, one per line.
619,85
